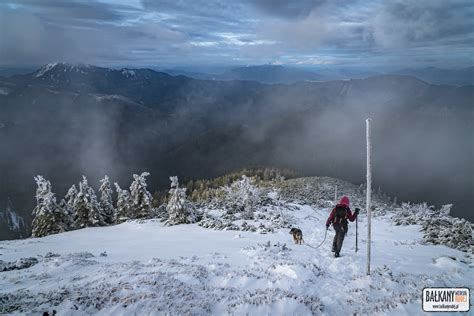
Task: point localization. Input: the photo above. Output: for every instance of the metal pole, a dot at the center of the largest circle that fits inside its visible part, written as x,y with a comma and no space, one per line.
369,192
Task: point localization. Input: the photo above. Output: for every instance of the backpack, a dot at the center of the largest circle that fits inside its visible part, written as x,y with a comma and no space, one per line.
341,213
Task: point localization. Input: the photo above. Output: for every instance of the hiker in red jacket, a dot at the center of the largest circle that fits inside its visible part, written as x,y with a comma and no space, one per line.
338,218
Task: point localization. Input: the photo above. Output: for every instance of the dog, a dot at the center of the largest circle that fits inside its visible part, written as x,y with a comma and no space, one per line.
297,235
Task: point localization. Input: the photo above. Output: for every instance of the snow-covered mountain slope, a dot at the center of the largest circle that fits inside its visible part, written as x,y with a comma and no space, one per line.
141,268
12,225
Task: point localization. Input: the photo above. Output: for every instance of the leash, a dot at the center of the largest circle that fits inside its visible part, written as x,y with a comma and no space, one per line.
322,242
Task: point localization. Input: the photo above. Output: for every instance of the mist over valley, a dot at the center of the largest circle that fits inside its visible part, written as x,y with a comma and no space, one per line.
65,120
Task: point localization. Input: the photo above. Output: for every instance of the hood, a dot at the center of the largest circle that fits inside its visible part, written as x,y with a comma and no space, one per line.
345,201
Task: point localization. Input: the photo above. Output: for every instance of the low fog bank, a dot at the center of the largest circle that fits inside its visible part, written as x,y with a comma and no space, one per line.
422,136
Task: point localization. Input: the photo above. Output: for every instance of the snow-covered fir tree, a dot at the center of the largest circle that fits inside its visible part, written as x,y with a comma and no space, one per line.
49,218
67,204
178,209
140,197
86,208
123,204
106,202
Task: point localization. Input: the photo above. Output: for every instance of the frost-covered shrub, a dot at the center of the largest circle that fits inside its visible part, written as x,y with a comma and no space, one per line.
319,191
160,212
242,197
449,231
245,206
438,226
413,214
179,210
418,214
266,219
19,264
217,223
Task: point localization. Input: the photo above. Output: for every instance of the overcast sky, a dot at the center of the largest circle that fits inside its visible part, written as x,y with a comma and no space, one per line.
227,32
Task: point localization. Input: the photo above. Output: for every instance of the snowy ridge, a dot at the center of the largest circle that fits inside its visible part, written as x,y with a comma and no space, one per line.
111,97
145,267
14,222
64,67
129,73
43,70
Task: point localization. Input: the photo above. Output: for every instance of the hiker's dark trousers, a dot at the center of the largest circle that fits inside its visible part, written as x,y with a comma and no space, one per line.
339,237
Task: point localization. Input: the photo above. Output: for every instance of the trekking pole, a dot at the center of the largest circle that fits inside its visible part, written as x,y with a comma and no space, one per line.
357,235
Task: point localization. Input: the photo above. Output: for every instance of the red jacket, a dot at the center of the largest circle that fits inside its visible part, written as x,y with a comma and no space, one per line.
349,215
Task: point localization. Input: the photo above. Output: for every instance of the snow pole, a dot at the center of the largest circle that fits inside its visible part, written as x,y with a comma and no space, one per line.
335,195
369,192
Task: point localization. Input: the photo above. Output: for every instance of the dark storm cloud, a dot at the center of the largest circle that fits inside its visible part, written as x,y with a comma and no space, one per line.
154,32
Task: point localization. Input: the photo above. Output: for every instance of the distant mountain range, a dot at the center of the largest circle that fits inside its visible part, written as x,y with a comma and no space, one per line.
458,77
7,71
66,120
285,74
271,74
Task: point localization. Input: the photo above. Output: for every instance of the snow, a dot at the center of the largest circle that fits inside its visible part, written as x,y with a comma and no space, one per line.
10,217
128,73
43,70
66,67
15,221
110,97
151,268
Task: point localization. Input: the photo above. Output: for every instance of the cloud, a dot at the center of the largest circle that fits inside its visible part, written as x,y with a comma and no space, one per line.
292,9
415,31
420,23
72,9
159,32
34,34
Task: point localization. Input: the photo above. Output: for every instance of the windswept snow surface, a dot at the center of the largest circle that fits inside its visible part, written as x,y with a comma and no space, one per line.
147,268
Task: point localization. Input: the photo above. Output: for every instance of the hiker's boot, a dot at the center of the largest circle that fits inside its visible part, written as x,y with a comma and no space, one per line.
336,254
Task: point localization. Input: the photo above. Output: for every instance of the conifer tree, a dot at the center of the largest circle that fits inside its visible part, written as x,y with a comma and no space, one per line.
68,205
106,203
140,197
86,208
177,208
49,218
123,204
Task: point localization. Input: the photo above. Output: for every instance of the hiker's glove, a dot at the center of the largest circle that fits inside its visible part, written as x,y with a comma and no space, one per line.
327,226
357,211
